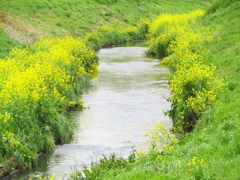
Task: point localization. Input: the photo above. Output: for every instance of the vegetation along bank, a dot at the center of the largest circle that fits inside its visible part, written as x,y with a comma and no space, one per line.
42,80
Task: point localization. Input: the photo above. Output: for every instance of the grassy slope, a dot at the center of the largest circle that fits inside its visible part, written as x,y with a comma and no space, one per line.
27,21
78,17
216,137
6,43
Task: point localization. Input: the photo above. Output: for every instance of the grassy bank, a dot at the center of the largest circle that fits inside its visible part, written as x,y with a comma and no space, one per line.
53,18
212,149
38,83
27,21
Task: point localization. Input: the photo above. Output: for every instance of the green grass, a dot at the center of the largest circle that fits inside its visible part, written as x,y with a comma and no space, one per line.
38,19
6,43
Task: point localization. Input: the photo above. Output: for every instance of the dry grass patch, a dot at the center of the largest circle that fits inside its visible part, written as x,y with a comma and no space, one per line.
20,30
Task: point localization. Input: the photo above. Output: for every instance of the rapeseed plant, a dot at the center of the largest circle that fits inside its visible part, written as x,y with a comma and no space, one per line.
52,177
166,28
106,35
157,139
194,87
37,84
195,167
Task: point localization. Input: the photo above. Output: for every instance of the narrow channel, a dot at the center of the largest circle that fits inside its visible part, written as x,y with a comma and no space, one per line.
127,97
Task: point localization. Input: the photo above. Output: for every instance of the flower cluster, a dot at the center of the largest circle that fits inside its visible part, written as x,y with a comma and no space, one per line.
194,87
37,83
158,139
194,164
166,28
116,33
52,177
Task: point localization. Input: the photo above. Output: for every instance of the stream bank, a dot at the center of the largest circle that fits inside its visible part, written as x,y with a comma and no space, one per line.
126,98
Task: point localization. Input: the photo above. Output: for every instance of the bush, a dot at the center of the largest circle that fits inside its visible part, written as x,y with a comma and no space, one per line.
97,169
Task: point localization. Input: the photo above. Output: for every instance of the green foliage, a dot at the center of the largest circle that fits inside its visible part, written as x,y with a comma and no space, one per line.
97,169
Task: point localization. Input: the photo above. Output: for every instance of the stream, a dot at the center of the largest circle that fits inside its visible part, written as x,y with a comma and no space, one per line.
126,98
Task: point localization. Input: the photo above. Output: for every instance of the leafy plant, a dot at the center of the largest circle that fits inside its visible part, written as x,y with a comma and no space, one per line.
106,163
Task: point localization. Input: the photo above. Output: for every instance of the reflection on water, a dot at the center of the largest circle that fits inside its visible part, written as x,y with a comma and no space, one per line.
125,99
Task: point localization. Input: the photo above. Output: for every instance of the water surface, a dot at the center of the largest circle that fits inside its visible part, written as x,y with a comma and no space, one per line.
126,98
